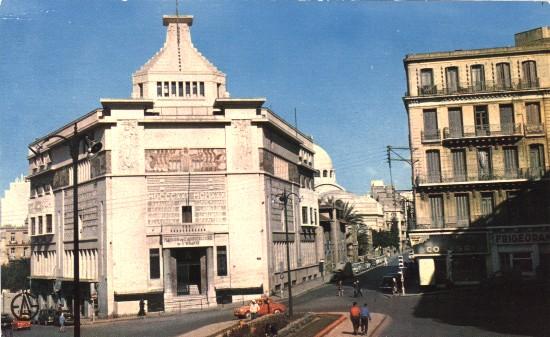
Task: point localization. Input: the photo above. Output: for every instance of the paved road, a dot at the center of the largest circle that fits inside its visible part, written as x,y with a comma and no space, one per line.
460,313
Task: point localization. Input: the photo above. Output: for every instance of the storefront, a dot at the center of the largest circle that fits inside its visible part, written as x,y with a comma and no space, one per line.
523,249
444,257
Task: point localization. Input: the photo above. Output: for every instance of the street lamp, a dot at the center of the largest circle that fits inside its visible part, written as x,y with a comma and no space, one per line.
284,198
92,148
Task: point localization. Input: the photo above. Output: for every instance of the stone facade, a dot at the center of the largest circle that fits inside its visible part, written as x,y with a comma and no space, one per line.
478,126
14,238
394,205
180,207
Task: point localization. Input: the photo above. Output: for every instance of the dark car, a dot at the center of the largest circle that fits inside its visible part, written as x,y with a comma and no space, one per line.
69,318
7,320
46,317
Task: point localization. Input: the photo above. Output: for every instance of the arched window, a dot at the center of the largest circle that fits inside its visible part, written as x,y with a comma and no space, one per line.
529,79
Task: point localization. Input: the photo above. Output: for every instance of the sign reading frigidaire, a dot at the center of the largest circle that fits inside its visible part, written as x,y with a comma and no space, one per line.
437,244
519,238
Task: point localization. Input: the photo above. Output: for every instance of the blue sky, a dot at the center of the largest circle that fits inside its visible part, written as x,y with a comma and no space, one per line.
338,63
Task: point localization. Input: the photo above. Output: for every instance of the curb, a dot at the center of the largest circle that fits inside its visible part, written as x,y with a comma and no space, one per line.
379,325
331,326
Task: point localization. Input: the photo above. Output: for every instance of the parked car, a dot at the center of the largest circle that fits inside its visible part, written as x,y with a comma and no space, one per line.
23,323
267,306
69,318
46,317
387,283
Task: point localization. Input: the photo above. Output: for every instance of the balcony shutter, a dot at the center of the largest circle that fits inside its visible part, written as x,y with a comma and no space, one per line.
436,207
452,79
434,168
506,119
462,210
478,77
426,78
503,76
510,161
484,163
459,165
430,123
529,73
533,114
455,123
486,204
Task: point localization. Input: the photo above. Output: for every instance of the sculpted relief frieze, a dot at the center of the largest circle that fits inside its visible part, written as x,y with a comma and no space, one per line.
185,160
128,143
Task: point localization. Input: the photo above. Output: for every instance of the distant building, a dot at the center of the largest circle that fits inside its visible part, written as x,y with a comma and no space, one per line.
394,207
181,207
479,128
14,239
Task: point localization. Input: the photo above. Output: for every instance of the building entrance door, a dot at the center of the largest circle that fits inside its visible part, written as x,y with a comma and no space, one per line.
188,271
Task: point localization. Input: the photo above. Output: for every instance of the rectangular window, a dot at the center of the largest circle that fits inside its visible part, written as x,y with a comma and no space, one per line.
456,129
533,114
487,204
154,263
166,89
481,120
459,165
221,258
478,77
436,211
503,76
536,160
195,89
427,82
434,166
485,165
431,131
530,79
180,89
311,215
159,89
187,214
40,225
304,214
315,217
451,75
140,86
12,237
201,88
506,119
187,88
49,223
511,162
33,226
462,210
173,89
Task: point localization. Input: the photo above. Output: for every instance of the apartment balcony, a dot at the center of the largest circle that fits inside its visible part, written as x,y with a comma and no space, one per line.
485,177
430,136
479,220
534,129
482,134
481,87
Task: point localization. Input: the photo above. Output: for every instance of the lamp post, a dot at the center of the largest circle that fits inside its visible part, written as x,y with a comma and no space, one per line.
92,148
284,198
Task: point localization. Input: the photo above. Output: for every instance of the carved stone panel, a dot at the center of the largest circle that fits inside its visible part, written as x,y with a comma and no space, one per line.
128,146
185,160
242,147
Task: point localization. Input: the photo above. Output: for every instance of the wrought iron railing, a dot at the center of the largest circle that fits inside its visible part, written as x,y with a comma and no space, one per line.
487,130
483,86
445,177
430,135
534,129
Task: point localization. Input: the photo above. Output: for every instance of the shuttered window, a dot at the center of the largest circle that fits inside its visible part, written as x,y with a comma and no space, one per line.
455,123
503,76
481,120
436,211
486,204
478,77
430,124
533,113
434,166
462,209
536,160
511,161
427,81
451,75
529,74
484,164
459,165
506,119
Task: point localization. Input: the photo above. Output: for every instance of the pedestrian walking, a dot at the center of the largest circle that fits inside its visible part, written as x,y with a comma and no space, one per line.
61,322
357,288
355,316
365,318
340,287
394,289
254,308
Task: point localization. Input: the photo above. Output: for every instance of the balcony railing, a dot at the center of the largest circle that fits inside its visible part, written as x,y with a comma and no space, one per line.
490,130
442,222
469,88
534,129
430,135
446,177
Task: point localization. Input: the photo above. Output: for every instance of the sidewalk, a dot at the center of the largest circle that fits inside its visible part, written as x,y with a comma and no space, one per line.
346,328
304,287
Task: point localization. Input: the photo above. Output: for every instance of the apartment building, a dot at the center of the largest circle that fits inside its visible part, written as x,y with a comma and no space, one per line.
478,128
182,205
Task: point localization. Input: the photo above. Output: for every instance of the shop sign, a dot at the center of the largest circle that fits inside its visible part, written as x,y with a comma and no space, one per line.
440,243
520,238
203,240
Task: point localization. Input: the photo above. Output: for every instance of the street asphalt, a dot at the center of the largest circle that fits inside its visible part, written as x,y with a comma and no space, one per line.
455,313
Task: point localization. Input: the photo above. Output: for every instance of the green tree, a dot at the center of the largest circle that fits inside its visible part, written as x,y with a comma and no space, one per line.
15,274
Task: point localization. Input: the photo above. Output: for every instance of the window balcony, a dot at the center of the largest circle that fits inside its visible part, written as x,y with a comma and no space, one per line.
442,222
430,136
481,87
495,175
534,129
490,132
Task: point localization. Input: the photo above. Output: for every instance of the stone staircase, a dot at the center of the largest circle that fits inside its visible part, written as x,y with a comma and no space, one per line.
187,302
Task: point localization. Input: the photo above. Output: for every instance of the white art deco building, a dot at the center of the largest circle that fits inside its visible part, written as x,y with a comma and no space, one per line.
180,206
